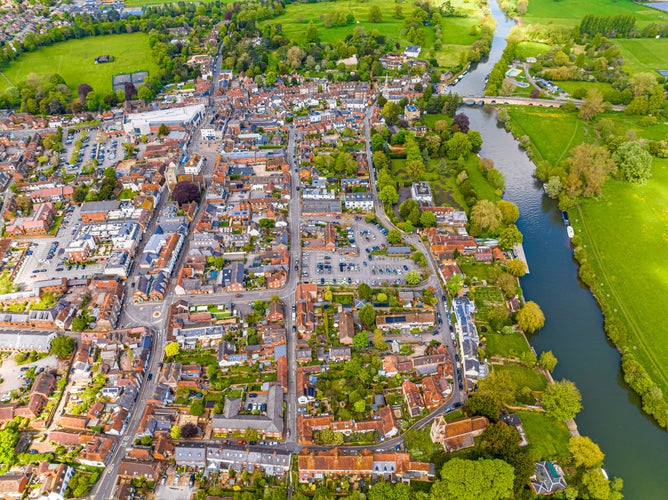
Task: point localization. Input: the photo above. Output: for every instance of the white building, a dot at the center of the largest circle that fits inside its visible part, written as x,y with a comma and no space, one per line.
421,191
358,201
174,118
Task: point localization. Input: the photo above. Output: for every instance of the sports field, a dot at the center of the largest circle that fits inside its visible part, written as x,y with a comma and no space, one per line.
570,12
74,60
644,54
456,37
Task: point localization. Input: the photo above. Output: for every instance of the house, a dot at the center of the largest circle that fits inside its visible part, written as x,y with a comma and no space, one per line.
190,456
13,484
421,192
269,424
38,224
413,397
406,320
339,354
275,312
346,327
97,451
411,113
131,469
548,478
54,479
358,201
514,420
413,51
457,434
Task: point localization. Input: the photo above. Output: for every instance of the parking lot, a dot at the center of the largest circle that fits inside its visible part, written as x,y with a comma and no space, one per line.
95,146
47,259
13,375
357,262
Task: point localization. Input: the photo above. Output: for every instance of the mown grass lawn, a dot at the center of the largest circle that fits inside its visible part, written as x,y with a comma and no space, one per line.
644,54
74,60
524,377
571,12
141,3
507,346
456,31
571,87
627,229
531,49
547,437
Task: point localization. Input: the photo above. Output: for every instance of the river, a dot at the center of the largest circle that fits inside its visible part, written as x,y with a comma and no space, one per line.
636,448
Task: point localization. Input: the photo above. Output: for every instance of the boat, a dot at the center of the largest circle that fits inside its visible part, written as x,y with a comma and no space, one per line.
564,218
570,232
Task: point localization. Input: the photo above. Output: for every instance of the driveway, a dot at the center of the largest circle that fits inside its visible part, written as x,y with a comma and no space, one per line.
169,492
10,372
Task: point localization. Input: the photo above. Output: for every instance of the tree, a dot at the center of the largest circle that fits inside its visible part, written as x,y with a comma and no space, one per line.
359,406
375,14
197,407
129,149
548,361
562,400
510,237
458,145
295,56
328,436
516,267
413,277
589,167
501,440
172,349
364,291
80,323
189,431
328,295
388,491
454,284
428,219
595,484
367,315
130,91
378,340
6,283
530,318
641,84
508,284
144,93
391,112
380,159
83,90
312,33
585,452
361,340
591,105
394,236
388,195
62,346
163,130
482,479
175,432
398,12
9,436
185,192
509,211
635,162
485,217
461,121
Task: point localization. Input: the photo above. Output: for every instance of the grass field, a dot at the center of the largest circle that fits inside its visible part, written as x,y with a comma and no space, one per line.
548,438
570,12
644,54
570,87
141,3
626,233
455,31
524,377
553,132
74,60
531,49
507,346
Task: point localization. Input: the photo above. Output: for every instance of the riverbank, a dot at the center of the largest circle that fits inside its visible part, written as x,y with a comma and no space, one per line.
619,230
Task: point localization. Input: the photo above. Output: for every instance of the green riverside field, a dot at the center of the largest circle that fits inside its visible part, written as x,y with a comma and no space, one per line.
643,54
624,230
570,12
74,60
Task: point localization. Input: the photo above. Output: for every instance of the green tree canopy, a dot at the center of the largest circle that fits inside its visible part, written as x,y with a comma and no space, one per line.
483,479
562,400
62,346
413,277
367,315
172,349
197,407
509,211
635,162
530,318
585,452
361,340
548,361
364,291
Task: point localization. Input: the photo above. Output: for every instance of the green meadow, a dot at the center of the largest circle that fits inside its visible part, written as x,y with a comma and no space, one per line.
553,132
74,60
644,54
626,233
570,12
456,36
625,230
